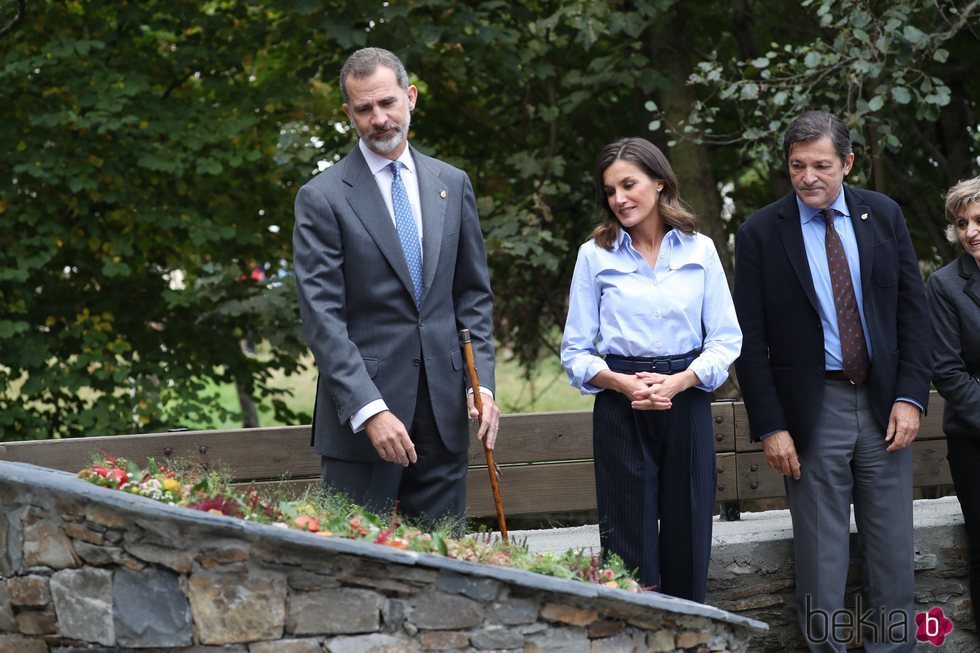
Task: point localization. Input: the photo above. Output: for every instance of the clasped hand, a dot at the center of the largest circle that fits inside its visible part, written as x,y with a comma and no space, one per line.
653,391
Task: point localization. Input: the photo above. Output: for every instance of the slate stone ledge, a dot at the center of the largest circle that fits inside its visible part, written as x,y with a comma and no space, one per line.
32,476
150,527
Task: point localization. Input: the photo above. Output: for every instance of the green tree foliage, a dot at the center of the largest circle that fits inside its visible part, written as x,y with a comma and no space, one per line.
900,74
137,187
150,151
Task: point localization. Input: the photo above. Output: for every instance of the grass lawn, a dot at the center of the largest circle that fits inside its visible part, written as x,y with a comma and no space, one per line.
546,390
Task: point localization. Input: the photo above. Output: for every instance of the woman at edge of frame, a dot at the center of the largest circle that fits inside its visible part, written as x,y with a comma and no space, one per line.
651,331
954,303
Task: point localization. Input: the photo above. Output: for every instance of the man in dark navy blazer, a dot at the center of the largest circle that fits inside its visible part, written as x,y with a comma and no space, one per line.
835,370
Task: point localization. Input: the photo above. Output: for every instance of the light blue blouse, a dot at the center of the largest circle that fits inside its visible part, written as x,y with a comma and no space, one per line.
618,305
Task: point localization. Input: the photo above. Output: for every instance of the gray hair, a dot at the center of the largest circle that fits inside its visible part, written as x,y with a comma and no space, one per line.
365,61
961,195
814,125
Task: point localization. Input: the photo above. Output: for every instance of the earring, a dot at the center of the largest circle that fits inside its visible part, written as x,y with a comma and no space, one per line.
659,188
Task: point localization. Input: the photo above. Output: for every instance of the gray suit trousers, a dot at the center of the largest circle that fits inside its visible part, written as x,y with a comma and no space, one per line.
847,460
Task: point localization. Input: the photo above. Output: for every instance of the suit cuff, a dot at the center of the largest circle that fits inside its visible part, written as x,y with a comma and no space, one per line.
766,435
365,413
915,403
483,391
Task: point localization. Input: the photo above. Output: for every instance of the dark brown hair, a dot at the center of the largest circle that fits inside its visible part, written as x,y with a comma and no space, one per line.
648,158
814,125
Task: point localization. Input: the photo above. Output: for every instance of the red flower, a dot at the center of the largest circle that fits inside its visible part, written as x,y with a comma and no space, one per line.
223,505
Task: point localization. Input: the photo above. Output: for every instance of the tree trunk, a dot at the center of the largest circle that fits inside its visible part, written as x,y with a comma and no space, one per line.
690,160
250,412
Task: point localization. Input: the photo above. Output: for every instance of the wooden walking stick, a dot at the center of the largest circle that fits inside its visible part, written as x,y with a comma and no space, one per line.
464,335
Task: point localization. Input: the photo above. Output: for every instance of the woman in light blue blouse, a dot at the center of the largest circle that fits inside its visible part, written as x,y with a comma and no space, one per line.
651,331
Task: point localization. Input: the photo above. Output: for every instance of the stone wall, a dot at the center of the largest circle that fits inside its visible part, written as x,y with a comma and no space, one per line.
751,570
83,568
752,574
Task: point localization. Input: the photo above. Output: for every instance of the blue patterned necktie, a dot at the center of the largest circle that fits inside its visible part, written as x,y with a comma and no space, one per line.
407,232
854,350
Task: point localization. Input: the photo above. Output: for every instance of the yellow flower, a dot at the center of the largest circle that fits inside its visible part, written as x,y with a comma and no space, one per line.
171,484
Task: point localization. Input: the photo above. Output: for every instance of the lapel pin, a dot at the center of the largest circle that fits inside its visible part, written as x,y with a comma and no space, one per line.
864,216
442,194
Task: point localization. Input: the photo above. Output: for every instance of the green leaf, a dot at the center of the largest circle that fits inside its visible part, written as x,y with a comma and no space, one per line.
749,91
901,95
914,35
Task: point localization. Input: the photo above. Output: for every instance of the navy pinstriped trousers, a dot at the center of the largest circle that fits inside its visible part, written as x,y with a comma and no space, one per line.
655,478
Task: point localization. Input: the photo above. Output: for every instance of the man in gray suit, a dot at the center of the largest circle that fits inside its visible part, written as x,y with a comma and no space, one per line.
390,264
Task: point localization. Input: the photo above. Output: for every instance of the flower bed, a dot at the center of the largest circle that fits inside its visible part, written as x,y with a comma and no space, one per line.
328,515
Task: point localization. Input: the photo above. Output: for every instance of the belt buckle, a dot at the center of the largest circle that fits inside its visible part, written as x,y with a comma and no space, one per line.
661,367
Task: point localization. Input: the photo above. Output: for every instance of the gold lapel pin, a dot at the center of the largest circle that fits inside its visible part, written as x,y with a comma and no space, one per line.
442,194
864,216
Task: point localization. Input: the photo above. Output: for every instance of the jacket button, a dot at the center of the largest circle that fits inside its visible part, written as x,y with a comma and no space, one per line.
416,362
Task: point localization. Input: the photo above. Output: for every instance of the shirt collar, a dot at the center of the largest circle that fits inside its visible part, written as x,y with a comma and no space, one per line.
675,239
808,213
376,163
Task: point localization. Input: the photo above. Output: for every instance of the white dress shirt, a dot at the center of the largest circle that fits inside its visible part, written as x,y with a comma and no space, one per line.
618,305
383,176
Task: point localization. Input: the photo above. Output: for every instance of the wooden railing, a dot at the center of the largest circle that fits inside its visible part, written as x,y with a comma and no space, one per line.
545,458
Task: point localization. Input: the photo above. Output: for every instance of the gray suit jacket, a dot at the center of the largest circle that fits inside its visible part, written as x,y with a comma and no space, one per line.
954,299
360,318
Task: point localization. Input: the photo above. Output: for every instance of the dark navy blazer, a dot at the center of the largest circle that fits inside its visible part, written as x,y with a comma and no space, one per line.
781,368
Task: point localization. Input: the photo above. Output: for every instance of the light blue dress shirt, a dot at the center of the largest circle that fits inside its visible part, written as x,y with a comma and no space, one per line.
618,305
814,240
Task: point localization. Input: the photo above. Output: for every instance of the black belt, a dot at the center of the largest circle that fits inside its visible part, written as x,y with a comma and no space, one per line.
836,375
660,364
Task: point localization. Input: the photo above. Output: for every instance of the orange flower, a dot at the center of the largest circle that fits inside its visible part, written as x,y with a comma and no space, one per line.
306,523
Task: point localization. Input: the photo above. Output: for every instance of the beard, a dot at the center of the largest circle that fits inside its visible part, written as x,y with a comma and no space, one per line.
388,143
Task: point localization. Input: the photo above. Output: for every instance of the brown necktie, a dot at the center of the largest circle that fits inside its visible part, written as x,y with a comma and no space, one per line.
853,348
